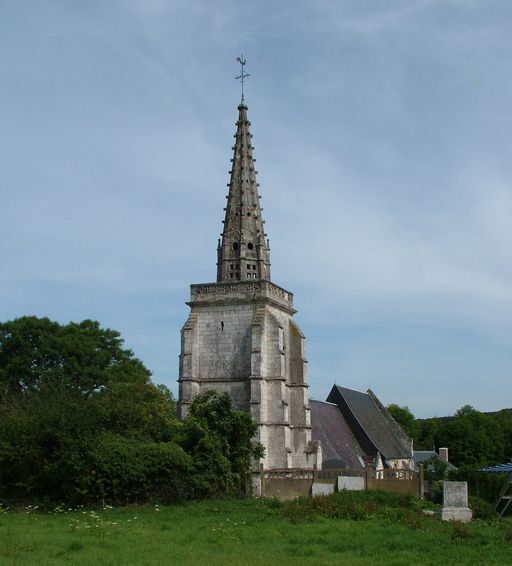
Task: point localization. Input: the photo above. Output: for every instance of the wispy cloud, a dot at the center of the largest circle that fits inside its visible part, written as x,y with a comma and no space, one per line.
382,138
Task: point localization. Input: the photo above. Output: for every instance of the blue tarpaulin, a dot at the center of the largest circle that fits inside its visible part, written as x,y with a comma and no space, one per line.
501,468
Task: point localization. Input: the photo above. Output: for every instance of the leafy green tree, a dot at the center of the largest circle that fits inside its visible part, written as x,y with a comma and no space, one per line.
473,439
45,443
65,389
503,422
83,358
404,418
427,434
435,469
126,470
81,422
138,411
220,440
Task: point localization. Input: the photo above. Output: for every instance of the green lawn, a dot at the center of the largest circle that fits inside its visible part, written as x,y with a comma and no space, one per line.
242,532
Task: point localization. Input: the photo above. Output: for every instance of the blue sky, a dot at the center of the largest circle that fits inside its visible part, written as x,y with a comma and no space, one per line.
382,132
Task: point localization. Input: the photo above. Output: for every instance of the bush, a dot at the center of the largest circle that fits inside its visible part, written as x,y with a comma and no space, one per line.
219,439
125,471
45,443
80,421
481,508
435,469
355,505
80,418
435,491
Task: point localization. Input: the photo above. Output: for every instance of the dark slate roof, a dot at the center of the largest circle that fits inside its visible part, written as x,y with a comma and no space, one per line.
373,426
339,446
421,456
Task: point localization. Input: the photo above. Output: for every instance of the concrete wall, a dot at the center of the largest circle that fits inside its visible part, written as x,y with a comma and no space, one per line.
351,483
289,484
322,489
404,487
286,488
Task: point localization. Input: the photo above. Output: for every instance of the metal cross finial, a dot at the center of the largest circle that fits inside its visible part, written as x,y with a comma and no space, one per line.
242,74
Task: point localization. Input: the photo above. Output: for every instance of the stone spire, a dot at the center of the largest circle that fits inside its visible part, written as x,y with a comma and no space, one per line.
243,251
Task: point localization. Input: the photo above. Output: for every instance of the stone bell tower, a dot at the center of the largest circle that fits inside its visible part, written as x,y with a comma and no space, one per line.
240,336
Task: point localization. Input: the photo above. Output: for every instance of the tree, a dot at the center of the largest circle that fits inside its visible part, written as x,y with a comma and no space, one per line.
139,411
45,442
503,422
81,422
427,433
83,358
435,469
404,418
473,439
220,440
69,395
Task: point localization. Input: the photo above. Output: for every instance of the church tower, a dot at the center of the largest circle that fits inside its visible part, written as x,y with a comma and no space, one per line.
240,336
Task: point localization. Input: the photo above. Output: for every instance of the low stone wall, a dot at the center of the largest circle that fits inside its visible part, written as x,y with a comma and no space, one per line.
355,483
286,483
331,475
404,487
322,489
292,483
286,488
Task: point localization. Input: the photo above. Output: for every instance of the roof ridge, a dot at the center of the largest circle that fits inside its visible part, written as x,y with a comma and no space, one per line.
401,436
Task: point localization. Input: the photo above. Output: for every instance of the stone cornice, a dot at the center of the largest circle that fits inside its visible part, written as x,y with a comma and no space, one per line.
241,292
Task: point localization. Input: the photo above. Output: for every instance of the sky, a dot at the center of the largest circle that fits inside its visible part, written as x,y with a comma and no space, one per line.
382,133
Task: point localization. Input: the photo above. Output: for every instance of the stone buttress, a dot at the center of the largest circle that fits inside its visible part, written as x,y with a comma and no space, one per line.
240,337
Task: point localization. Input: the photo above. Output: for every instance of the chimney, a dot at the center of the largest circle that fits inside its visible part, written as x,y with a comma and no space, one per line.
443,454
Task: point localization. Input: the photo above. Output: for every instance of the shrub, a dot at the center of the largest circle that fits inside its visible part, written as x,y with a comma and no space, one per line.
45,443
80,421
481,508
219,439
125,470
435,469
435,491
356,505
80,418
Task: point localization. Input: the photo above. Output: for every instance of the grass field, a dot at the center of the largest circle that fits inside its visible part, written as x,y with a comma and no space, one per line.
242,532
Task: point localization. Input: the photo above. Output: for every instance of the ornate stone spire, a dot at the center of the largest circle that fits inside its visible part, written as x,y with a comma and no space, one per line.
243,252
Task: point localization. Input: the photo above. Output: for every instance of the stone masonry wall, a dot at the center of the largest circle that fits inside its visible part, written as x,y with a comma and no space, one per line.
251,349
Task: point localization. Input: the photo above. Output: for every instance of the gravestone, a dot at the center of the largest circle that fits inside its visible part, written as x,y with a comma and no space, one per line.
455,502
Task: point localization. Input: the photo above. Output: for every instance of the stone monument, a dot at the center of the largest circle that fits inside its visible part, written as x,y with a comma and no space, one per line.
455,502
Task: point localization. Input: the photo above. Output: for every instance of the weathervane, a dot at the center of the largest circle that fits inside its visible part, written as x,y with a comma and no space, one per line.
242,74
